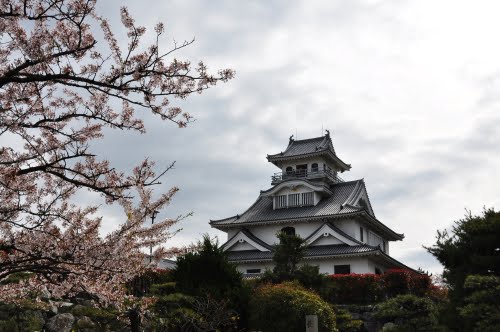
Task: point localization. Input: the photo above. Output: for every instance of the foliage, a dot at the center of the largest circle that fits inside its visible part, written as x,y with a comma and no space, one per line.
371,288
57,94
409,313
309,277
345,322
140,285
404,281
354,288
287,254
15,318
283,307
205,292
471,248
175,311
103,319
206,270
481,311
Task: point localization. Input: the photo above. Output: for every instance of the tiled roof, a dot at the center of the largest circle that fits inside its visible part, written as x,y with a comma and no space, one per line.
250,236
305,146
336,229
262,209
313,251
309,147
334,206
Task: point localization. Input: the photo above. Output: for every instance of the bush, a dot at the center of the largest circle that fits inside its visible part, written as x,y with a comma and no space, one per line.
397,282
354,289
283,307
408,313
346,323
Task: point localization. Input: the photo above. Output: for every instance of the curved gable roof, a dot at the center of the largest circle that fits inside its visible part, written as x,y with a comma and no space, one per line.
309,147
262,210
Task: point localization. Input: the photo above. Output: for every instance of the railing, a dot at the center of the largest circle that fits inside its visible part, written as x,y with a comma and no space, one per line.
303,173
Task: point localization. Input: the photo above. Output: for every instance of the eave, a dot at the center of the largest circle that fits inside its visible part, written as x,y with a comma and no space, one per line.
278,158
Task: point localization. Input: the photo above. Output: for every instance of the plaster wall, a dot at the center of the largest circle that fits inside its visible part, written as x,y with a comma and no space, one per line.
348,226
328,240
267,233
358,265
242,246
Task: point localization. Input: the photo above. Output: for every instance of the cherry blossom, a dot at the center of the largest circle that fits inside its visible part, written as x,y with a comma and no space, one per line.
58,91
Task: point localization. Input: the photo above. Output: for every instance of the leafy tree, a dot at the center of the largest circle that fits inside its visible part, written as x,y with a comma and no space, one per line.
481,311
206,270
206,275
58,91
288,253
472,248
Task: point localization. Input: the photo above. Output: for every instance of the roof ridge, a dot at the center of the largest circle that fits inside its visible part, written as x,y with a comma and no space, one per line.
309,139
346,182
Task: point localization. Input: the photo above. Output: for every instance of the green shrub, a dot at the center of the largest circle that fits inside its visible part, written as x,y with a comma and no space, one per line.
283,307
409,313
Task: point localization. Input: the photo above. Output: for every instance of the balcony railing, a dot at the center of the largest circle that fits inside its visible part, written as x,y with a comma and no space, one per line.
302,173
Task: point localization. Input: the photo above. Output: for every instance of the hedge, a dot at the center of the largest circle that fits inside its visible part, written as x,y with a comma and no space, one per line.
372,288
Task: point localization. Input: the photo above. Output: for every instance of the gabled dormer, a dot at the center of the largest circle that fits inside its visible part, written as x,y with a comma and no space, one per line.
296,193
313,159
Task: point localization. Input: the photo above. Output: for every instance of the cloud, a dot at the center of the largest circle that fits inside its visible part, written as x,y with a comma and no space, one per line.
409,91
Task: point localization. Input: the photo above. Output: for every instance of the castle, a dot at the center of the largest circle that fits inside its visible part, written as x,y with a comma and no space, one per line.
308,198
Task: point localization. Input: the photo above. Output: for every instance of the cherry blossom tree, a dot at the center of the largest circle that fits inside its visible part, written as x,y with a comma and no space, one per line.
58,91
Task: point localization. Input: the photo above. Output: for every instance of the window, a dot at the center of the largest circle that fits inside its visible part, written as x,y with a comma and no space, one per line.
301,170
308,198
314,168
253,271
289,170
280,201
342,269
293,200
288,230
377,271
361,234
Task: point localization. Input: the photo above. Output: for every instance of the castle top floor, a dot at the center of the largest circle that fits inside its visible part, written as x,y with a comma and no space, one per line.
313,159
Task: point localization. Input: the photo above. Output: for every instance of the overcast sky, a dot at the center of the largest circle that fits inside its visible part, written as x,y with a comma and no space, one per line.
409,89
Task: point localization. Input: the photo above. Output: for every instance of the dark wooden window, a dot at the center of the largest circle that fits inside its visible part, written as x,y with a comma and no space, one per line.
288,230
314,168
251,271
294,200
289,170
308,198
342,269
377,271
301,170
361,234
280,201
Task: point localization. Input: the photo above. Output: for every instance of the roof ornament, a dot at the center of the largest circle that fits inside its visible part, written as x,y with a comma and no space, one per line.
290,140
327,133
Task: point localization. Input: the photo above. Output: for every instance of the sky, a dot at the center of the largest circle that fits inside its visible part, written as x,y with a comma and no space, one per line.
410,91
